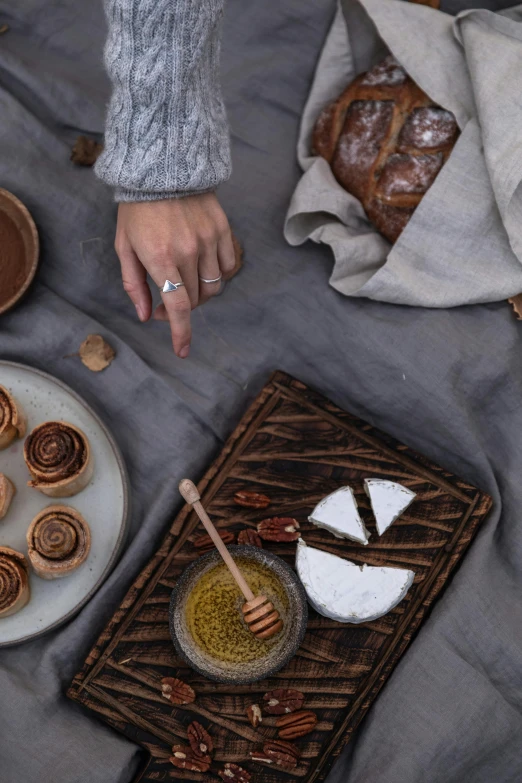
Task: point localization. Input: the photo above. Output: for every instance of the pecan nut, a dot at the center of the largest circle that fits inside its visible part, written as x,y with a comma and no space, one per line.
282,701
271,746
297,724
254,715
234,772
248,499
280,529
199,739
249,537
183,758
285,754
177,691
204,543
260,757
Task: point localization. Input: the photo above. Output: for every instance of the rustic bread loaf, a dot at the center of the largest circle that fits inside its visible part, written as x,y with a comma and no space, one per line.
386,141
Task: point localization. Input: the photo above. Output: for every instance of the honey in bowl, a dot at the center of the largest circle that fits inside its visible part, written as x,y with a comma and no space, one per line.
214,617
241,658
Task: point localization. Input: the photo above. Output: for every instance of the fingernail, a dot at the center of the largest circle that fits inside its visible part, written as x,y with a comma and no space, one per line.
184,352
140,312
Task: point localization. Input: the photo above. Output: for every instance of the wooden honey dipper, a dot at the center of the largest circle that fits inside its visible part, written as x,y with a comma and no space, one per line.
259,613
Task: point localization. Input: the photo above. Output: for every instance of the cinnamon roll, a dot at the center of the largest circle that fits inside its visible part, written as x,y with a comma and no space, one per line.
59,459
7,490
12,419
14,581
59,540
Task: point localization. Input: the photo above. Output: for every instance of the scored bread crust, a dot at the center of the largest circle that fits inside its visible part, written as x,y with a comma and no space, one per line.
386,141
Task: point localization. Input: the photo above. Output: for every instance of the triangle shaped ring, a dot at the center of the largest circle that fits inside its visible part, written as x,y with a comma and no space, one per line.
169,286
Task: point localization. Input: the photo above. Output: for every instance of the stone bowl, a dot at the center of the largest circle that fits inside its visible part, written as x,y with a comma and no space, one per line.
295,620
19,250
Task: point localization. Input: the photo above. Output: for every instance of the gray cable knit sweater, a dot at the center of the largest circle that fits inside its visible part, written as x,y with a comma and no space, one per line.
166,130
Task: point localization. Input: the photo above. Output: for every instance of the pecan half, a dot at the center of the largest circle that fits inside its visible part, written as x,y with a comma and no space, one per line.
177,691
204,543
199,739
259,756
249,499
183,758
249,537
283,700
282,747
234,772
281,529
285,754
254,715
297,724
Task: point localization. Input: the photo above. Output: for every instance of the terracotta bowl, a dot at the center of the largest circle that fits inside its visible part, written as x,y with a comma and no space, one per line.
22,245
289,639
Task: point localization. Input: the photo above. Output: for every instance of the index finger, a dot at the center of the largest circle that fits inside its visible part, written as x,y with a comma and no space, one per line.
178,307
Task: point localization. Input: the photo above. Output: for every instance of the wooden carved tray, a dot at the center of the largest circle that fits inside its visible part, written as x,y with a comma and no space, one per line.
295,446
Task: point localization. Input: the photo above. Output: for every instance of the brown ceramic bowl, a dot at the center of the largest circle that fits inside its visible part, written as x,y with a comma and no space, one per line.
290,638
19,249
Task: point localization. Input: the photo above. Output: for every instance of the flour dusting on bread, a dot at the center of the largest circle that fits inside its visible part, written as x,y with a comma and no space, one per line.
389,73
386,142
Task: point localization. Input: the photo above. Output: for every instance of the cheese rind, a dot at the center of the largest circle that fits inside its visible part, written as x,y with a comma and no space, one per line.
338,513
389,500
345,591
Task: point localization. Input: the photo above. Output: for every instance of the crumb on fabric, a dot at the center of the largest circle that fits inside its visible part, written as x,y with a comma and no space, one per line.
86,151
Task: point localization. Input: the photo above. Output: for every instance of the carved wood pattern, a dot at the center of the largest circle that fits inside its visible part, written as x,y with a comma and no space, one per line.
296,447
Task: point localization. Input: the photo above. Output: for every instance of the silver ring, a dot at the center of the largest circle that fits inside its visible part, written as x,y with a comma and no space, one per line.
169,286
214,280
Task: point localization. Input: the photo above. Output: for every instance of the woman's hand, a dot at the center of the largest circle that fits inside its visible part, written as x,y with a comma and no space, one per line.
179,239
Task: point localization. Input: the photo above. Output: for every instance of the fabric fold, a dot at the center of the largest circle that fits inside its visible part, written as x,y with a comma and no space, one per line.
483,35
463,244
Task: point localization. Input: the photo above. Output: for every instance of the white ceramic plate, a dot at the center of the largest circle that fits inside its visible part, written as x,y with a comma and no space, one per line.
103,503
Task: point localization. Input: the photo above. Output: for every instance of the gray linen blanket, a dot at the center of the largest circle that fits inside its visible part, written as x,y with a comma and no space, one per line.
464,242
447,382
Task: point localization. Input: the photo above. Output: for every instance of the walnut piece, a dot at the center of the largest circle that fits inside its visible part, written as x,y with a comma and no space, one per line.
95,353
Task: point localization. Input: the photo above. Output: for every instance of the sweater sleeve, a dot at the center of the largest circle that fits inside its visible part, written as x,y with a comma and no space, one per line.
166,130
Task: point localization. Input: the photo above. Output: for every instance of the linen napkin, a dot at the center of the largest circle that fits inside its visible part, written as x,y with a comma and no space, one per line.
463,244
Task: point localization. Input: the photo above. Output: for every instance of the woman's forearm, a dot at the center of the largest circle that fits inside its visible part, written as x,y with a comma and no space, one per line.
166,130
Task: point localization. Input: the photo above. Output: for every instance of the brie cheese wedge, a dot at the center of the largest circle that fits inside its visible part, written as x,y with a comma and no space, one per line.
389,500
345,591
338,513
